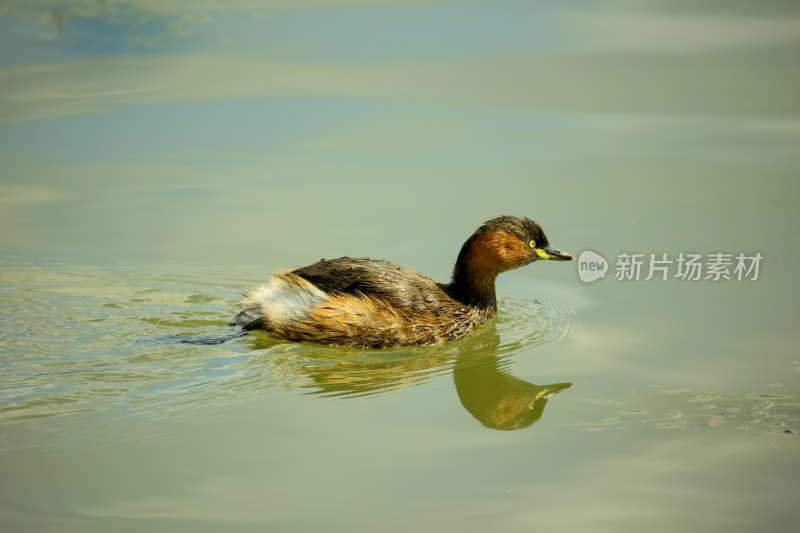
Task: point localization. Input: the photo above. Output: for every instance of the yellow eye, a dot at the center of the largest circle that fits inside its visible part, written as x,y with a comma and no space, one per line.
532,244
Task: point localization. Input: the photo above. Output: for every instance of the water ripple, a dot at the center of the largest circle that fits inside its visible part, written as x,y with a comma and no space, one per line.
71,345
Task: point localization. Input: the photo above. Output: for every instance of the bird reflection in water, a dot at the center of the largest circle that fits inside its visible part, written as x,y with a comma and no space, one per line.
497,399
487,391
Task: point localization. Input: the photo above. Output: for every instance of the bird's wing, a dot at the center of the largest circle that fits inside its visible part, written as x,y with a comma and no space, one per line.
394,284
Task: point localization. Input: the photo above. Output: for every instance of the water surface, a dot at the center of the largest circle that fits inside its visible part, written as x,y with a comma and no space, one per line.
159,160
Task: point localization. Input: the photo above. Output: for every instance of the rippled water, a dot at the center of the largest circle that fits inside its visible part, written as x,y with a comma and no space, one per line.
79,341
95,344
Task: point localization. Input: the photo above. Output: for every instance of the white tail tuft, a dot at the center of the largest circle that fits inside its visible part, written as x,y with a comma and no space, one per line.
284,299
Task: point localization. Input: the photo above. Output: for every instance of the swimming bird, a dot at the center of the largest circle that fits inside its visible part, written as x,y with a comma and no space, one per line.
375,304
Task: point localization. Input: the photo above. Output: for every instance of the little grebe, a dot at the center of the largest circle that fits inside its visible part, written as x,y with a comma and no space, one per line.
374,303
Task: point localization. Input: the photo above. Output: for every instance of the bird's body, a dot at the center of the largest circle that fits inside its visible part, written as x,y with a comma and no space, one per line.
375,303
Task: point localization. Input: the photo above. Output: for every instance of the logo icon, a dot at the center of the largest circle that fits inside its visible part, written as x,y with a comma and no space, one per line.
591,266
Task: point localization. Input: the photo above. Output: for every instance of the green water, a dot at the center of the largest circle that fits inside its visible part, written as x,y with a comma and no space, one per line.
159,160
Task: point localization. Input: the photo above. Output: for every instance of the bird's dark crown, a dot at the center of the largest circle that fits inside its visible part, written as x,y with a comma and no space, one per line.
522,227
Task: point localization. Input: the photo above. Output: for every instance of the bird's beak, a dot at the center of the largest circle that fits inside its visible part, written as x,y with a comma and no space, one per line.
553,255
